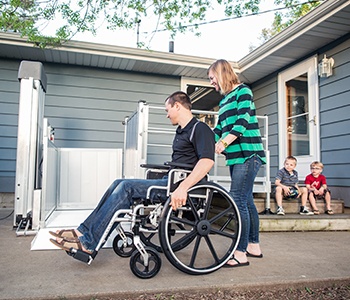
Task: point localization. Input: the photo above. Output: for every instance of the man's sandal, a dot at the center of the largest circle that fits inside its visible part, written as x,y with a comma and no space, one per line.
68,235
329,212
316,212
65,245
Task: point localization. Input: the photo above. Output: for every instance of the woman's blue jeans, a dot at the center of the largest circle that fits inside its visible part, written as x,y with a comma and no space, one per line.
242,181
120,195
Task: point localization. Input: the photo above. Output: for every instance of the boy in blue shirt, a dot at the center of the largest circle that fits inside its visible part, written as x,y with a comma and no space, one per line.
287,187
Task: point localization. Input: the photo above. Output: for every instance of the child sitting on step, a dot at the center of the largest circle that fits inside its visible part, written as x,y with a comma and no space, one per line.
287,187
317,188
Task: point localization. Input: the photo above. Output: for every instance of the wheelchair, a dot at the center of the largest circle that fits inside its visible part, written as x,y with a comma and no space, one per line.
198,238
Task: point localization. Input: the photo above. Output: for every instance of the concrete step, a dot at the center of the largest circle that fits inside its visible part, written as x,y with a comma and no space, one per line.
293,206
293,221
296,222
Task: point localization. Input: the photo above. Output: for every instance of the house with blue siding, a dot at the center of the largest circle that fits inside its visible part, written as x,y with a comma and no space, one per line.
91,88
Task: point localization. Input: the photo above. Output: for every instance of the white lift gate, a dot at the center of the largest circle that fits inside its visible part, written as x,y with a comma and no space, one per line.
149,136
30,130
55,187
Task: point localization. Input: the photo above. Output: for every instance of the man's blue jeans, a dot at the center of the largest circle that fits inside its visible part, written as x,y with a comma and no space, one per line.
120,195
242,181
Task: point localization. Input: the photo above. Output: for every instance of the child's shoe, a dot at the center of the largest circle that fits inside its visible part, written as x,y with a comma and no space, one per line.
280,211
306,212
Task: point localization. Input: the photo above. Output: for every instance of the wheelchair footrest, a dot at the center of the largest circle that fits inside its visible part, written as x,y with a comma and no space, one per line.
82,255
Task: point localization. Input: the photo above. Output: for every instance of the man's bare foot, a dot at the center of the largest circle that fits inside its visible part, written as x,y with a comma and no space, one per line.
66,245
69,235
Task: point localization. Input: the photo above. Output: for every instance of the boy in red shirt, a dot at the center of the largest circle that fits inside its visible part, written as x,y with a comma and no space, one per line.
317,187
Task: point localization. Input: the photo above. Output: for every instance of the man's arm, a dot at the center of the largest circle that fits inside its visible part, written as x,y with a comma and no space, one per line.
201,169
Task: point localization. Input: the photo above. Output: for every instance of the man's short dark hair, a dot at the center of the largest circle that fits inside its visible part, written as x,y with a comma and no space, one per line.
180,97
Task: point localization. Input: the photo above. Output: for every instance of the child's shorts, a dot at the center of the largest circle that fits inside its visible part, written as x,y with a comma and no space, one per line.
321,197
293,193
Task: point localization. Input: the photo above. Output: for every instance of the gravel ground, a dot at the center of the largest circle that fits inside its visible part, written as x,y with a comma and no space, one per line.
341,292
334,291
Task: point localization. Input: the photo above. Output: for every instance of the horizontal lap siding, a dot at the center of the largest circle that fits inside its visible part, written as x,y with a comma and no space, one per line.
265,98
9,95
334,118
86,106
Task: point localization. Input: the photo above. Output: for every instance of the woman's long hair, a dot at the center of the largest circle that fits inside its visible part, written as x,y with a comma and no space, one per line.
226,76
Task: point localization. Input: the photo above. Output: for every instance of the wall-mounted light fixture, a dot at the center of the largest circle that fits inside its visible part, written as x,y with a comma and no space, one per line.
325,67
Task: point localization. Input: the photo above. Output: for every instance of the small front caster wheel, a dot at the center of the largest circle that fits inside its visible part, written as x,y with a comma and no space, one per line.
145,269
124,248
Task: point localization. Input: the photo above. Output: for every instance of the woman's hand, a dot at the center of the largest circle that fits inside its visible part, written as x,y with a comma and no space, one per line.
223,143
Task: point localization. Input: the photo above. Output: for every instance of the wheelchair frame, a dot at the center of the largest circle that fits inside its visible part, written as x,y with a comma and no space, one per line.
210,217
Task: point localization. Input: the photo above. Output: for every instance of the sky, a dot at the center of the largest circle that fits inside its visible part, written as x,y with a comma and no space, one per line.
229,40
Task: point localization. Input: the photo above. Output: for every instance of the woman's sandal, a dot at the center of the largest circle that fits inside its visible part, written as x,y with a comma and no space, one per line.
316,212
65,245
329,212
238,264
254,255
68,235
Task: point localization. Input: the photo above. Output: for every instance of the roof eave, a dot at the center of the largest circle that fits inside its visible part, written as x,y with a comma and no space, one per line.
291,33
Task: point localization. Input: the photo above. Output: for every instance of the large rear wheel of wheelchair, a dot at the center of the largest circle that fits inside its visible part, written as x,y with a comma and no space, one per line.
145,269
124,248
211,233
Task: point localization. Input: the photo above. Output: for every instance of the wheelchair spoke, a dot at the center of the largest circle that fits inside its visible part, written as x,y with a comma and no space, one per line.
184,241
211,248
224,233
195,251
228,221
220,215
208,203
180,221
194,209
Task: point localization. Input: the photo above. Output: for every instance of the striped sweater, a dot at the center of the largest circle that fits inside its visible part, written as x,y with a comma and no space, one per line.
237,116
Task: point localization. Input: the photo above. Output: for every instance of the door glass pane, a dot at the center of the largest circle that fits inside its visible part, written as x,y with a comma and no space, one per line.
297,116
204,98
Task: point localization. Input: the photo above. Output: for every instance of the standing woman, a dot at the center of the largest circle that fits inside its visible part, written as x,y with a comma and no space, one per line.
238,137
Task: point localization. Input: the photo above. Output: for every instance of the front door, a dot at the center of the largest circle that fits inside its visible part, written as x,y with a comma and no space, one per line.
299,115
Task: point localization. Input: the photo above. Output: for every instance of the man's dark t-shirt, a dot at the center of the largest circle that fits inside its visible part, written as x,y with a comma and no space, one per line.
190,145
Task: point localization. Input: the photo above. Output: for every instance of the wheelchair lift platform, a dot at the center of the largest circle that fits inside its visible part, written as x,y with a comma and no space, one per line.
70,219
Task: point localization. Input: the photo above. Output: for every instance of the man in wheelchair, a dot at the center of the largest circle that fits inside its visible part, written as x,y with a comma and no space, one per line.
193,145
